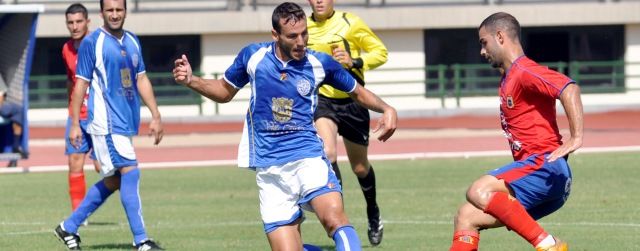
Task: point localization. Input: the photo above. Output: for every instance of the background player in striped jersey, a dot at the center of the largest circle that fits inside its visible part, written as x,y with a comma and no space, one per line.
345,36
280,141
538,182
77,22
111,67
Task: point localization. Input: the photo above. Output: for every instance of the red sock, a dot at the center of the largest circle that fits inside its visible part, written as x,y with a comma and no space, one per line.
513,215
465,241
77,189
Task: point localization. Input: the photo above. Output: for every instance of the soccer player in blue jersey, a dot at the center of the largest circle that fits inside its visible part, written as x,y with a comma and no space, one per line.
111,69
280,141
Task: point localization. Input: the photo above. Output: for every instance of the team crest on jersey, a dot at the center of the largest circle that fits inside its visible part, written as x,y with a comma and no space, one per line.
510,102
125,77
303,86
281,109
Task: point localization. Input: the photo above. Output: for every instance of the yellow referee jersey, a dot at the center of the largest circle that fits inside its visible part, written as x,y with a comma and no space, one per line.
347,31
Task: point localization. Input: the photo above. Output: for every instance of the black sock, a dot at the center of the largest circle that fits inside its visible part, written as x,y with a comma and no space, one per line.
16,142
368,186
336,170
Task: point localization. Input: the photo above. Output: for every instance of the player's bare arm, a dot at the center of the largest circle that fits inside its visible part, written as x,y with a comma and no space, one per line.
372,102
146,93
572,103
217,90
77,97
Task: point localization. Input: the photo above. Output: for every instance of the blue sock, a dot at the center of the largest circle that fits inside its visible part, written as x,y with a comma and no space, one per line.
130,198
96,195
310,247
346,238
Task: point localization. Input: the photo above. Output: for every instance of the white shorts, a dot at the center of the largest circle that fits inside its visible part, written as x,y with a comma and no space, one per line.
286,190
113,151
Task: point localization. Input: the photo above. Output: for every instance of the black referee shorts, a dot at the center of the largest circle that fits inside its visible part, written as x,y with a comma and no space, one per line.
351,118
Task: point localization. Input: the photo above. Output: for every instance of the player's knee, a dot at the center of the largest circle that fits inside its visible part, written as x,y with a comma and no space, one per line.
334,224
76,163
479,195
334,219
361,170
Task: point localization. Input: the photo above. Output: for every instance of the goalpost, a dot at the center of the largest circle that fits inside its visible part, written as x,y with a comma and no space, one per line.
17,41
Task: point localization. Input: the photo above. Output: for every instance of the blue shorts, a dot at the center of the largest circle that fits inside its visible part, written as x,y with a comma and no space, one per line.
541,187
113,151
12,111
85,142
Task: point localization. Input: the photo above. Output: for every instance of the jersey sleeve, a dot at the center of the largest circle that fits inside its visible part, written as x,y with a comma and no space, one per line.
367,40
140,67
336,75
547,82
237,74
86,60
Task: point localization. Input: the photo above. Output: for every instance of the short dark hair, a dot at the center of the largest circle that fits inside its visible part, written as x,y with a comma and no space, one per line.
102,5
504,21
77,8
287,11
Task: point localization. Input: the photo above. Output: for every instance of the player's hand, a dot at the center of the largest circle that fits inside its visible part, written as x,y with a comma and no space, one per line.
568,147
75,136
182,72
342,56
387,123
156,130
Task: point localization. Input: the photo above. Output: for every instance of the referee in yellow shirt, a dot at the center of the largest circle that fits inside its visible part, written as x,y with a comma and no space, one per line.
345,36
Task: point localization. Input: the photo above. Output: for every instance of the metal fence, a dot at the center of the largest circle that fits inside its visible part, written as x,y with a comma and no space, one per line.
439,81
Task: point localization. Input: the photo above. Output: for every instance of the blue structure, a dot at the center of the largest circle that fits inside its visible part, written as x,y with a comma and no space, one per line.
17,42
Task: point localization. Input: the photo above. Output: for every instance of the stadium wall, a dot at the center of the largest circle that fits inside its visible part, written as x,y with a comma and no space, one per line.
223,33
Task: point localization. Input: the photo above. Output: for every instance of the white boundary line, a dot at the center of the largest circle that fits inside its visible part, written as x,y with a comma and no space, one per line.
399,156
120,226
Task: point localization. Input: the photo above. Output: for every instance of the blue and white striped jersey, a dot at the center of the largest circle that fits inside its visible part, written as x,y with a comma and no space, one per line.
111,66
279,124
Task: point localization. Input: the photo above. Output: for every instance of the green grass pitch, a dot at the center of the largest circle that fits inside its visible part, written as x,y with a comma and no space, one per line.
217,208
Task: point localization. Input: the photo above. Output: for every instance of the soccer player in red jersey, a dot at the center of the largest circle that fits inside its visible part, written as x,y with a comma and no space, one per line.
77,21
538,182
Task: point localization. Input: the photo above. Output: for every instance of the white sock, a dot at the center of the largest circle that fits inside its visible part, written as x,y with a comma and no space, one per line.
547,242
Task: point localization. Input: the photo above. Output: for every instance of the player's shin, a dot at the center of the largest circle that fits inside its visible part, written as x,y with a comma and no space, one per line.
512,214
130,198
346,238
96,195
77,188
368,186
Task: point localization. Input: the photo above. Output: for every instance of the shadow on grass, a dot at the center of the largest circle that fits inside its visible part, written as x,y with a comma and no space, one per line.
332,247
118,246
103,223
